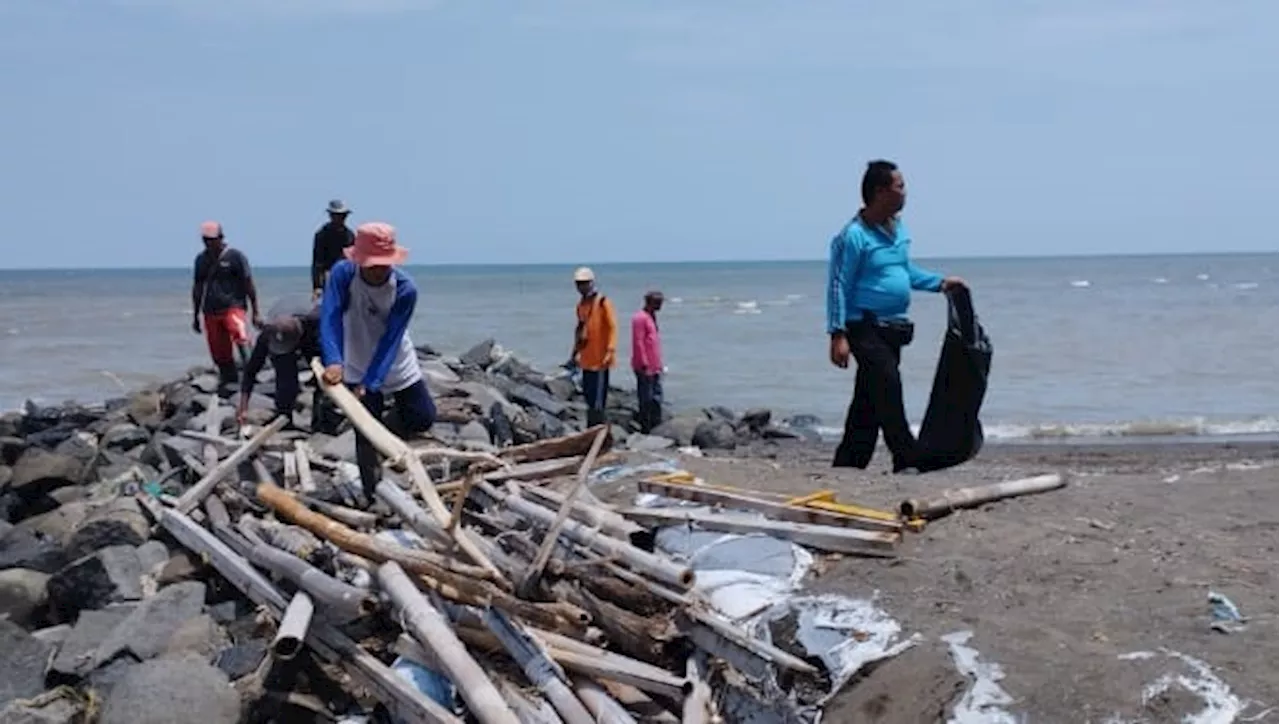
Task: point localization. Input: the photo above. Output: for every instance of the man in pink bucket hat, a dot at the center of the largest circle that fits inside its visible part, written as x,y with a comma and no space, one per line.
364,337
222,288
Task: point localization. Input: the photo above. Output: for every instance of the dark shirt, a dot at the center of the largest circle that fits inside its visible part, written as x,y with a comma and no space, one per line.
326,250
226,284
307,345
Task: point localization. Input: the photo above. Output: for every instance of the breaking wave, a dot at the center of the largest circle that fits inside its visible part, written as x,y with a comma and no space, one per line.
1133,430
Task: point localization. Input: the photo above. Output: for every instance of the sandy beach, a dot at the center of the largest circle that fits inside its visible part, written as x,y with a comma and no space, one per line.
1063,589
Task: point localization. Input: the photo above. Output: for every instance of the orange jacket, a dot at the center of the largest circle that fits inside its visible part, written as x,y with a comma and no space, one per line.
597,333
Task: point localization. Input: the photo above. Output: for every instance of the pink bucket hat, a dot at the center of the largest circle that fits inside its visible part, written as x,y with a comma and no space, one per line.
375,245
211,230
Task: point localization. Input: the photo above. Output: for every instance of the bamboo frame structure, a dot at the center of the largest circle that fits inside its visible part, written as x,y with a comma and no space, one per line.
944,503
777,511
823,537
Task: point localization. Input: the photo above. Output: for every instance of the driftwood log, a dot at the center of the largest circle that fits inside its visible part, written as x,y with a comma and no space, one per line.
944,503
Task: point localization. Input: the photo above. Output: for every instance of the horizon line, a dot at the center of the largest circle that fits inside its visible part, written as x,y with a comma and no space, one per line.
508,265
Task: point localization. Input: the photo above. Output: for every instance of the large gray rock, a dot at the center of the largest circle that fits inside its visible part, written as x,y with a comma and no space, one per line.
22,663
486,397
528,395
438,372
171,448
119,522
39,471
11,448
342,447
560,388
82,446
147,631
172,691
680,428
715,435
78,654
22,594
471,434
59,523
125,436
480,355
24,549
111,575
755,420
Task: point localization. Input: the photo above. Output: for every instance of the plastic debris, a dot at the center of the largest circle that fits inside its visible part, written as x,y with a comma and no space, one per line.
1226,616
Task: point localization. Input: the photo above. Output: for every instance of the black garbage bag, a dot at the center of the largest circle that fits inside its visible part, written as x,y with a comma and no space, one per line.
951,432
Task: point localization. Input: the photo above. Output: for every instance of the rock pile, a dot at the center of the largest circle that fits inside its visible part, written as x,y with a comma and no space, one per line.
147,554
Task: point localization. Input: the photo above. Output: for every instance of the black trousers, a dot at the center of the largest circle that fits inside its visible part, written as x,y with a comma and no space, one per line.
877,400
649,392
595,390
416,412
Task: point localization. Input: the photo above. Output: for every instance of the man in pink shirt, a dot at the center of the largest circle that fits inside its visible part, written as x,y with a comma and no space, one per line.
646,360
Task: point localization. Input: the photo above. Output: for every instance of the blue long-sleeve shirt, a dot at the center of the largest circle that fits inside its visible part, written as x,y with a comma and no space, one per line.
871,271
364,328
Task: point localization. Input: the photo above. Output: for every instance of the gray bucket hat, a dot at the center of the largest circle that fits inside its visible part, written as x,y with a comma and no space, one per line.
338,208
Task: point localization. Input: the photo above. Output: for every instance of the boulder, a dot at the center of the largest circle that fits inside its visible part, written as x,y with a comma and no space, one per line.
39,471
170,448
561,388
152,556
146,408
23,663
11,448
342,447
125,436
111,575
11,425
82,446
715,435
24,549
470,434
755,419
22,594
6,476
526,394
147,631
179,567
172,691
243,658
59,523
120,522
480,355
77,655
499,424
438,372
205,383
486,397
680,428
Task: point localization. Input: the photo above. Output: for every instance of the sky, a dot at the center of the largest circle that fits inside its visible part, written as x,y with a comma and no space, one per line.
602,130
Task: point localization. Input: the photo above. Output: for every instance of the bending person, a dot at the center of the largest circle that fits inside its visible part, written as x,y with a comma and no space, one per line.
291,331
364,337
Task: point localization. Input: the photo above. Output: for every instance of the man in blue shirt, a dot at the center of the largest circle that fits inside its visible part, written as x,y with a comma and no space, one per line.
365,311
870,278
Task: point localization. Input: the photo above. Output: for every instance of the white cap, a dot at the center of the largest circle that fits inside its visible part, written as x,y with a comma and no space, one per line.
584,274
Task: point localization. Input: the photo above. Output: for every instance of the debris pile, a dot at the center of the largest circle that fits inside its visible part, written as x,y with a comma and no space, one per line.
158,559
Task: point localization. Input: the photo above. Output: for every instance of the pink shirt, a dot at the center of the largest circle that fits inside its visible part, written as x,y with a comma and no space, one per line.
646,345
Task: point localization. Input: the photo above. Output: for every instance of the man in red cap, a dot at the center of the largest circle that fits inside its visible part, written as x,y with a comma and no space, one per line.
365,312
221,290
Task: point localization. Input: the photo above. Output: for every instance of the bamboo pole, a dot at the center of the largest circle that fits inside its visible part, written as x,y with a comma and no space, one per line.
657,567
411,514
823,537
537,666
341,513
293,627
432,630
931,508
212,426
306,482
341,602
650,711
419,561
552,536
388,687
399,454
602,706
196,493
587,513
697,704
777,511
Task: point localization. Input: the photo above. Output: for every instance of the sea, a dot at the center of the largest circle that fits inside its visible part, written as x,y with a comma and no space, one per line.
1101,348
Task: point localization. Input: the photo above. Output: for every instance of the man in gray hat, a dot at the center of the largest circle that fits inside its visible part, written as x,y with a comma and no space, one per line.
291,331
330,240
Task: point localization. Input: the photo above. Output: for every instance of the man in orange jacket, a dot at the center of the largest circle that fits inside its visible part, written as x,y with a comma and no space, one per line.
595,343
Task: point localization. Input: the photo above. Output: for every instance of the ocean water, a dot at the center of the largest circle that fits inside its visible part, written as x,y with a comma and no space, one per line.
1088,346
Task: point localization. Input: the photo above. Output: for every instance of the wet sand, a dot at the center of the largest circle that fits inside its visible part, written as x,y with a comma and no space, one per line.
1058,587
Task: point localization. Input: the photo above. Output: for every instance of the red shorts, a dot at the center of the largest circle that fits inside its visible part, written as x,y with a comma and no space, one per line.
225,331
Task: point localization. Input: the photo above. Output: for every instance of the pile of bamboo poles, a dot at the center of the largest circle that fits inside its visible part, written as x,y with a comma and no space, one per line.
537,603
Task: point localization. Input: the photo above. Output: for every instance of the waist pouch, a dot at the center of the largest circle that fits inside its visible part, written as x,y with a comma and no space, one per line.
897,332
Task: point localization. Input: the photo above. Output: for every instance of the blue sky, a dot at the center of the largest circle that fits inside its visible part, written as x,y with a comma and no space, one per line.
611,131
